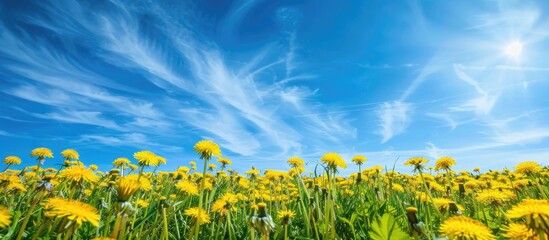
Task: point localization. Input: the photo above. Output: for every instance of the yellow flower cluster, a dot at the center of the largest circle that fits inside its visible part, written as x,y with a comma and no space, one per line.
134,202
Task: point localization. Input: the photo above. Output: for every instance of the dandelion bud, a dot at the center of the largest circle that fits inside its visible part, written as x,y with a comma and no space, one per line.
102,204
454,208
125,209
461,190
94,167
263,222
45,186
114,171
415,226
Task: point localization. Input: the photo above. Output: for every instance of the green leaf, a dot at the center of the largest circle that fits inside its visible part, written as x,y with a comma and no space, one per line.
386,228
350,225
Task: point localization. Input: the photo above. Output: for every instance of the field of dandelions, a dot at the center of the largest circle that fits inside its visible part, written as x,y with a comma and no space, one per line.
208,200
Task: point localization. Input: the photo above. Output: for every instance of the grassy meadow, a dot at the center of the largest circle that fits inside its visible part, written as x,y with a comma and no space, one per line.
208,200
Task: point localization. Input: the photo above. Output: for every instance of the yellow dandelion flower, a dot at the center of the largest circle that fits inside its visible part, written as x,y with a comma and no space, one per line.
495,197
225,204
411,209
416,162
5,218
72,210
527,167
206,149
434,186
41,153
93,167
374,169
142,203
79,174
12,160
462,227
521,183
219,206
53,202
126,188
70,154
198,215
114,171
296,171
212,166
15,186
161,160
535,212
224,161
119,162
183,169
144,183
333,160
444,163
296,162
445,204
286,216
472,184
397,188
146,158
88,192
193,165
359,159
519,231
230,198
253,172
244,183
133,167
208,184
276,175
187,187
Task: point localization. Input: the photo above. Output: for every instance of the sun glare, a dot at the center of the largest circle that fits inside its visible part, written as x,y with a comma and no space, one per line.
514,49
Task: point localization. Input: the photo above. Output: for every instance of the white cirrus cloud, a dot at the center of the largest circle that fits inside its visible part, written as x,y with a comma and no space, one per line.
394,118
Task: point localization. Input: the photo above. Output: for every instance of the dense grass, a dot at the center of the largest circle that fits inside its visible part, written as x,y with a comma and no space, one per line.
137,202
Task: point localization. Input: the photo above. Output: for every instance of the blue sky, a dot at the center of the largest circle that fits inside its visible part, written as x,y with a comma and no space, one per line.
268,80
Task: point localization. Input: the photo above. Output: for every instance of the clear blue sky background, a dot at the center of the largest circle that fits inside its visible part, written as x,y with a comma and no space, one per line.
268,80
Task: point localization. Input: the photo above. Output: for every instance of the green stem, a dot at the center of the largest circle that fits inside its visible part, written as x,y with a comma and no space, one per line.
42,226
29,214
116,228
203,186
140,172
430,196
7,168
165,231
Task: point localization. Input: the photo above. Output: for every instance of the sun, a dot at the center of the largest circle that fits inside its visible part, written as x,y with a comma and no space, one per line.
514,49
